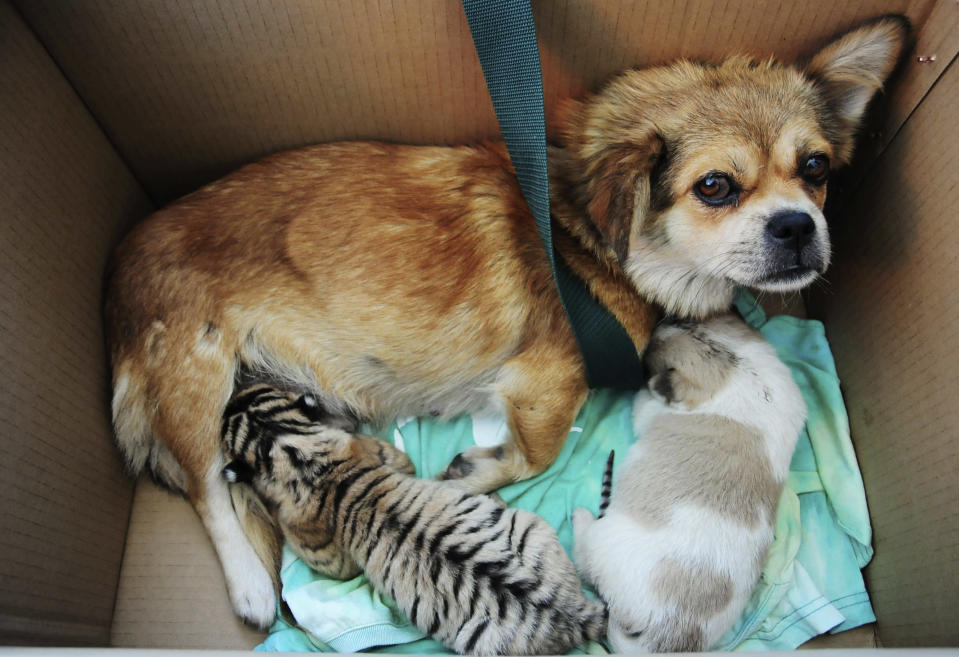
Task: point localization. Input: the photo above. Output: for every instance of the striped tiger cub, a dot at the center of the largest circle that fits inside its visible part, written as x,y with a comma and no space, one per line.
475,575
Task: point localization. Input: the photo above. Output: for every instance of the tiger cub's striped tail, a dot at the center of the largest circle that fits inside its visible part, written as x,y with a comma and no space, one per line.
606,492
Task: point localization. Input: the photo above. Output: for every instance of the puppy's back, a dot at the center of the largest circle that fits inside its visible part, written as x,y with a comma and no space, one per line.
697,495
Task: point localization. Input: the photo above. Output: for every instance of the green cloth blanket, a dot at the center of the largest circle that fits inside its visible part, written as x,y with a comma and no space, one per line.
811,582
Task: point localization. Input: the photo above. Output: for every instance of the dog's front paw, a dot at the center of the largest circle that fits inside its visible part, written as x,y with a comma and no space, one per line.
459,468
478,470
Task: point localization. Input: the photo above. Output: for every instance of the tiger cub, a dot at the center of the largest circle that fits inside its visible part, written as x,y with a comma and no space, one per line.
475,575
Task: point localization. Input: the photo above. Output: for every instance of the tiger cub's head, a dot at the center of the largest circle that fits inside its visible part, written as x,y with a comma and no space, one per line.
273,436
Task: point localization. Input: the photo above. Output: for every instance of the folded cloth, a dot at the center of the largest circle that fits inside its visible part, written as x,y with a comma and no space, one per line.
811,582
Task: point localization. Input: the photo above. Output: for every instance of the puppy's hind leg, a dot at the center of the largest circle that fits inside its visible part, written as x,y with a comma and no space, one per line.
583,520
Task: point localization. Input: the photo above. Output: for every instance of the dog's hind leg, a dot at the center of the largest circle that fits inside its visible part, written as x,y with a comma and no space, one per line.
190,378
540,405
250,584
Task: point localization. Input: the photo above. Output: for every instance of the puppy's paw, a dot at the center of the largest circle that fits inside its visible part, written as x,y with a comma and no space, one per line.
252,594
676,391
663,386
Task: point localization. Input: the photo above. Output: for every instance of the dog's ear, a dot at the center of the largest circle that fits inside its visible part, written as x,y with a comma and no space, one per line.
851,69
618,182
611,154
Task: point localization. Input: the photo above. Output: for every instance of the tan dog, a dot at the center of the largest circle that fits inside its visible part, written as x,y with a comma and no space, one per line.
393,280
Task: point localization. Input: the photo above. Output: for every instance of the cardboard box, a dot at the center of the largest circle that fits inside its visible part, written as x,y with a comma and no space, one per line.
111,108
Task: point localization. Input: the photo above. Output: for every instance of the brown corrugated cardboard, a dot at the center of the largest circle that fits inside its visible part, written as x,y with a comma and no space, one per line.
186,91
584,43
936,46
171,591
858,637
219,84
65,198
891,313
190,91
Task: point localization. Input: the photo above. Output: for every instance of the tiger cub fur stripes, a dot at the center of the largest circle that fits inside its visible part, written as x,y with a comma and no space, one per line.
479,577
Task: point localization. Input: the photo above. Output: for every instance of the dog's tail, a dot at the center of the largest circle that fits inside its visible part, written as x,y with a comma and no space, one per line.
260,528
134,436
606,492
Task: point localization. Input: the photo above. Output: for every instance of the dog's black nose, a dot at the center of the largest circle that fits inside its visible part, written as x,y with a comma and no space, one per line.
791,229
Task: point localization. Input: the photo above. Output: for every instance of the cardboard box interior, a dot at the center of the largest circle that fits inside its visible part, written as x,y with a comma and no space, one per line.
110,109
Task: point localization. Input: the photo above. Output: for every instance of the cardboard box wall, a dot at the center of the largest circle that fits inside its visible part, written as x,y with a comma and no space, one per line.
111,108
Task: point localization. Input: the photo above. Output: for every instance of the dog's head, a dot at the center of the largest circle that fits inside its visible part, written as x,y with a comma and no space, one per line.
700,177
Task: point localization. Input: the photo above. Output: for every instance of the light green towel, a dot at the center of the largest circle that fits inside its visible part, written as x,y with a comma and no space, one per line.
811,582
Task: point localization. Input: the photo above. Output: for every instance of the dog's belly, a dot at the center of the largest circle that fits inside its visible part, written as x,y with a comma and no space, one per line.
419,372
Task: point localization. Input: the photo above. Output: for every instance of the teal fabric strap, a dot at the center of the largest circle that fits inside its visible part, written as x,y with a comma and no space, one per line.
505,40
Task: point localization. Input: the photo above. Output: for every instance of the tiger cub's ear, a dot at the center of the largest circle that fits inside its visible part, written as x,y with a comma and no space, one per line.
238,472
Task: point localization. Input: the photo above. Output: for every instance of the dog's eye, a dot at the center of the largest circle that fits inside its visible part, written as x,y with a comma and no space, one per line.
815,169
715,189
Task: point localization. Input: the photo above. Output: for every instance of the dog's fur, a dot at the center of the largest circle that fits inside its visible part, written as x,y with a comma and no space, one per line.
406,280
692,513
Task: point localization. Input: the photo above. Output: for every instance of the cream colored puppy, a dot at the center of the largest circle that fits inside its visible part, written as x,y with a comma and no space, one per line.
693,508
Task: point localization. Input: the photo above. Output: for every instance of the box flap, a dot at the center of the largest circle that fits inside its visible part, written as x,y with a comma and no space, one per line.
64,200
891,309
189,92
172,593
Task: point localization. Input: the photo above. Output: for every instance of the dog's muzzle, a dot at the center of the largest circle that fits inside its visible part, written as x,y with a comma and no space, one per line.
793,246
